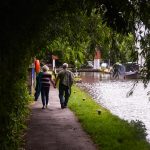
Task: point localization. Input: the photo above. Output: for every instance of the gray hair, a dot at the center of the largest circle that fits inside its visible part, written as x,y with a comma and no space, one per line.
45,68
65,65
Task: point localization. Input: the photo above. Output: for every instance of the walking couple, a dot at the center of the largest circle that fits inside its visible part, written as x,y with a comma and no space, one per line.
65,79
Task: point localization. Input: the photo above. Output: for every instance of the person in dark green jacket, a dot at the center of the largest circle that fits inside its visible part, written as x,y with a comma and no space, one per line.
66,78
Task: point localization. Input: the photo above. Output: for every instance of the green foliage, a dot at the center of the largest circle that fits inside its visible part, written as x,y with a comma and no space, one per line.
140,128
13,115
83,34
107,131
130,16
27,26
146,55
14,95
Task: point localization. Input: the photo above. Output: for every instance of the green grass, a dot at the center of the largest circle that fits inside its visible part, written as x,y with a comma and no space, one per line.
106,130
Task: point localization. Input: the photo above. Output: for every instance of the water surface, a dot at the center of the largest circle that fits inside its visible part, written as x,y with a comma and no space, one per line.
112,94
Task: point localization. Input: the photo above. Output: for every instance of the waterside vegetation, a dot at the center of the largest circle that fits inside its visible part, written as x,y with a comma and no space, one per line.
28,26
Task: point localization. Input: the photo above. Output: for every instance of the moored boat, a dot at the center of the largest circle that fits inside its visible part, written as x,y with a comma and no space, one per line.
132,70
131,75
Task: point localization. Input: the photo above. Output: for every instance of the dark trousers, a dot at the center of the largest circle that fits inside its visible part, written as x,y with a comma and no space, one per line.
37,91
64,93
116,73
45,95
37,88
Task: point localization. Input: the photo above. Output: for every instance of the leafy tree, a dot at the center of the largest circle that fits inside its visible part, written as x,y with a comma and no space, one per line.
127,16
92,33
29,25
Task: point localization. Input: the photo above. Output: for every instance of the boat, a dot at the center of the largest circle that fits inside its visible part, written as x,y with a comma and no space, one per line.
131,70
131,75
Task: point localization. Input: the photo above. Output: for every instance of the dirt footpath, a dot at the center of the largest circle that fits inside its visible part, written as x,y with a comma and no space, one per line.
55,128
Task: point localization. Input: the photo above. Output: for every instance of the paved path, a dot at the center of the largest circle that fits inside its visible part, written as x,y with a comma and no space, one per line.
55,128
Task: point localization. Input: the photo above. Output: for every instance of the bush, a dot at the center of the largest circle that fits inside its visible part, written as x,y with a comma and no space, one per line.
140,128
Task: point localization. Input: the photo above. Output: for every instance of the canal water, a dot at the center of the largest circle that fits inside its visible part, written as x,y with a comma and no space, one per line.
113,95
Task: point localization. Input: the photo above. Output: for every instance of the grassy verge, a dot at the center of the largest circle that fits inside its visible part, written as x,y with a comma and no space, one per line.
106,130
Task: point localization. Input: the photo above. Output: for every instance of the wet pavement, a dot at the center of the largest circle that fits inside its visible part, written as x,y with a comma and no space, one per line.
55,128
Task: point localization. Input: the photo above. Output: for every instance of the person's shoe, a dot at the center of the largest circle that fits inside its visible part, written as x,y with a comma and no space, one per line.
43,107
62,106
46,106
65,105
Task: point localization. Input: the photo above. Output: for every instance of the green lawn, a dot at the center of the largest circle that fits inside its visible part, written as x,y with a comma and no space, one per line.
107,131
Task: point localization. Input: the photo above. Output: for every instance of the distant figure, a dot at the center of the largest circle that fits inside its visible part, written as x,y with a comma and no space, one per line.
118,69
45,80
38,75
65,78
122,71
38,86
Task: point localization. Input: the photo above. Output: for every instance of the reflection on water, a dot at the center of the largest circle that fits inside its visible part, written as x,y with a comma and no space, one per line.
112,95
92,77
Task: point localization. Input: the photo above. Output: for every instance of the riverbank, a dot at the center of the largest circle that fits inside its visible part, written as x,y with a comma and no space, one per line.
87,70
114,96
106,130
